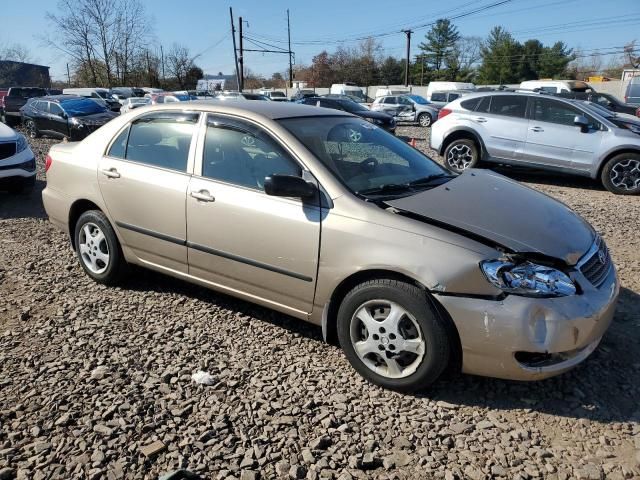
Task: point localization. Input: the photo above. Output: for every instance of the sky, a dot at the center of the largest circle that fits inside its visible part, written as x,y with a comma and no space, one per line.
204,26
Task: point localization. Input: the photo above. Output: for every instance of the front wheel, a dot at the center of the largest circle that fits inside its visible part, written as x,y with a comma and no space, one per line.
391,336
621,174
32,129
425,120
98,248
461,154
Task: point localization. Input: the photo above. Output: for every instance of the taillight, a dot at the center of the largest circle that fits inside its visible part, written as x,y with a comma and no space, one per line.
443,113
47,163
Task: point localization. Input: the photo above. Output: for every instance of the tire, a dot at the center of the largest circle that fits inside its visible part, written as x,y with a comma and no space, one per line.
23,185
98,249
32,129
461,154
425,120
621,174
10,121
406,355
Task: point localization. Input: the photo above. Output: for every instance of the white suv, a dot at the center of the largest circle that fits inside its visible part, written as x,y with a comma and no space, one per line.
17,162
541,131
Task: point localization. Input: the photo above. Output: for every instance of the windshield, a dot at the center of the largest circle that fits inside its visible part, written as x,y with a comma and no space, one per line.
82,106
278,94
105,95
418,99
351,106
594,107
368,160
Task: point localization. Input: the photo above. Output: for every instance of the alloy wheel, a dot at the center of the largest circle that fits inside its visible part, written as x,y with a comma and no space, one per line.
387,338
425,120
460,156
625,174
31,129
93,247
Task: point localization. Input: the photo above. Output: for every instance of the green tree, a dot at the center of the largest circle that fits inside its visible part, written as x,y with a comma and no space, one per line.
554,60
391,71
501,58
439,46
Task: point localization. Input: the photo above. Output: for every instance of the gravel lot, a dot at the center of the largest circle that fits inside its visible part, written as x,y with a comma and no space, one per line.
91,375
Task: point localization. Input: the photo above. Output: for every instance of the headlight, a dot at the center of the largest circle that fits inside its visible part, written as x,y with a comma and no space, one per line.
527,279
375,121
76,122
21,143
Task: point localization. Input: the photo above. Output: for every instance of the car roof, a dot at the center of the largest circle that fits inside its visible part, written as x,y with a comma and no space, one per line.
270,110
60,98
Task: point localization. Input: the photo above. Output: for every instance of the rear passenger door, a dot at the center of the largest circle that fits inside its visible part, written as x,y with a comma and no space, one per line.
241,239
143,179
503,125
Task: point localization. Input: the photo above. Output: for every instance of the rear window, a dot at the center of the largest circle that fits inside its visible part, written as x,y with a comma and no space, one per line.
471,104
27,92
508,105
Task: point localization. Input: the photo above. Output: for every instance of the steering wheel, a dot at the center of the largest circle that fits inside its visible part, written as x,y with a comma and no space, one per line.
368,165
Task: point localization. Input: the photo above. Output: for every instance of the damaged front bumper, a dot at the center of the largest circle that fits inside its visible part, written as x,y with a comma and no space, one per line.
522,338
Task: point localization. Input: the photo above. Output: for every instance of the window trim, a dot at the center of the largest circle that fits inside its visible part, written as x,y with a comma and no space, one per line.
192,146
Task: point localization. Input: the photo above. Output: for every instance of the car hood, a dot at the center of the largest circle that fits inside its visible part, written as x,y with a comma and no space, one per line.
488,205
373,114
97,118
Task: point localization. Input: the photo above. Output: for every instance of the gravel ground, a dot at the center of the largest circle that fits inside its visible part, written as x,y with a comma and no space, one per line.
93,378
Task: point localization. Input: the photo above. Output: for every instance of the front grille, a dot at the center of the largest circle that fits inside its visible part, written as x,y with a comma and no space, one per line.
596,263
7,150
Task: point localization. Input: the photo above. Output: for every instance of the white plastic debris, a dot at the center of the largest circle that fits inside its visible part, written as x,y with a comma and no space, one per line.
203,378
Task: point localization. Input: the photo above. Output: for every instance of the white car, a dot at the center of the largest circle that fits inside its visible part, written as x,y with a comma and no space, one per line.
134,102
17,162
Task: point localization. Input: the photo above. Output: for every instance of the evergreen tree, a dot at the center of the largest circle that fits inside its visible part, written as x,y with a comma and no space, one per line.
439,47
501,58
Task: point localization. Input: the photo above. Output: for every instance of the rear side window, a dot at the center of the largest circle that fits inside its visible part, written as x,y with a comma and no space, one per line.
549,89
159,140
484,104
508,105
391,100
470,104
453,96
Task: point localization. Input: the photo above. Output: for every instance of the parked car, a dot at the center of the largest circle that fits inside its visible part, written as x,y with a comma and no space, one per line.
386,91
541,131
17,162
64,116
53,91
326,218
632,92
3,93
447,86
440,99
605,100
134,102
169,97
101,95
556,86
301,94
274,95
122,93
407,108
381,119
15,99
350,89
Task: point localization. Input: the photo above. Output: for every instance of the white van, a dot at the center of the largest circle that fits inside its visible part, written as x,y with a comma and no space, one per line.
348,89
386,91
556,86
446,86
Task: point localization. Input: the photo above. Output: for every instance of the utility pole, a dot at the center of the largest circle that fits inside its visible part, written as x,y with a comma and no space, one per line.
235,52
406,66
68,75
290,55
421,69
241,58
149,68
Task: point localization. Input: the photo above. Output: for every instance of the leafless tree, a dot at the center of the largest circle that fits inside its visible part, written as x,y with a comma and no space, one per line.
16,52
631,54
179,61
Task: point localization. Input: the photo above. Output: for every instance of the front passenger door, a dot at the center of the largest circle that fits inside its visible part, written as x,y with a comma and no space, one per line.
240,239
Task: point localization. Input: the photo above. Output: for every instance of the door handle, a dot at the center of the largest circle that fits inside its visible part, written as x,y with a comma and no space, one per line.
203,195
536,129
481,120
111,173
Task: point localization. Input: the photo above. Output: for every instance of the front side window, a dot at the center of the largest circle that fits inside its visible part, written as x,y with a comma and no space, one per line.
508,105
391,100
364,157
241,154
438,97
55,109
160,140
551,111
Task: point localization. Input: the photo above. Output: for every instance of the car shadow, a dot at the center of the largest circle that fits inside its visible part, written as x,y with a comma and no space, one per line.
23,205
531,175
596,390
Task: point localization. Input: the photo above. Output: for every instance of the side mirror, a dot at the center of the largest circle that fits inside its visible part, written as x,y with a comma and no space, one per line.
582,122
288,186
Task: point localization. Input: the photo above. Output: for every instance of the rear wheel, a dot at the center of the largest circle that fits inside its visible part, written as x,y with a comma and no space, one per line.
461,154
424,119
621,174
391,336
98,248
